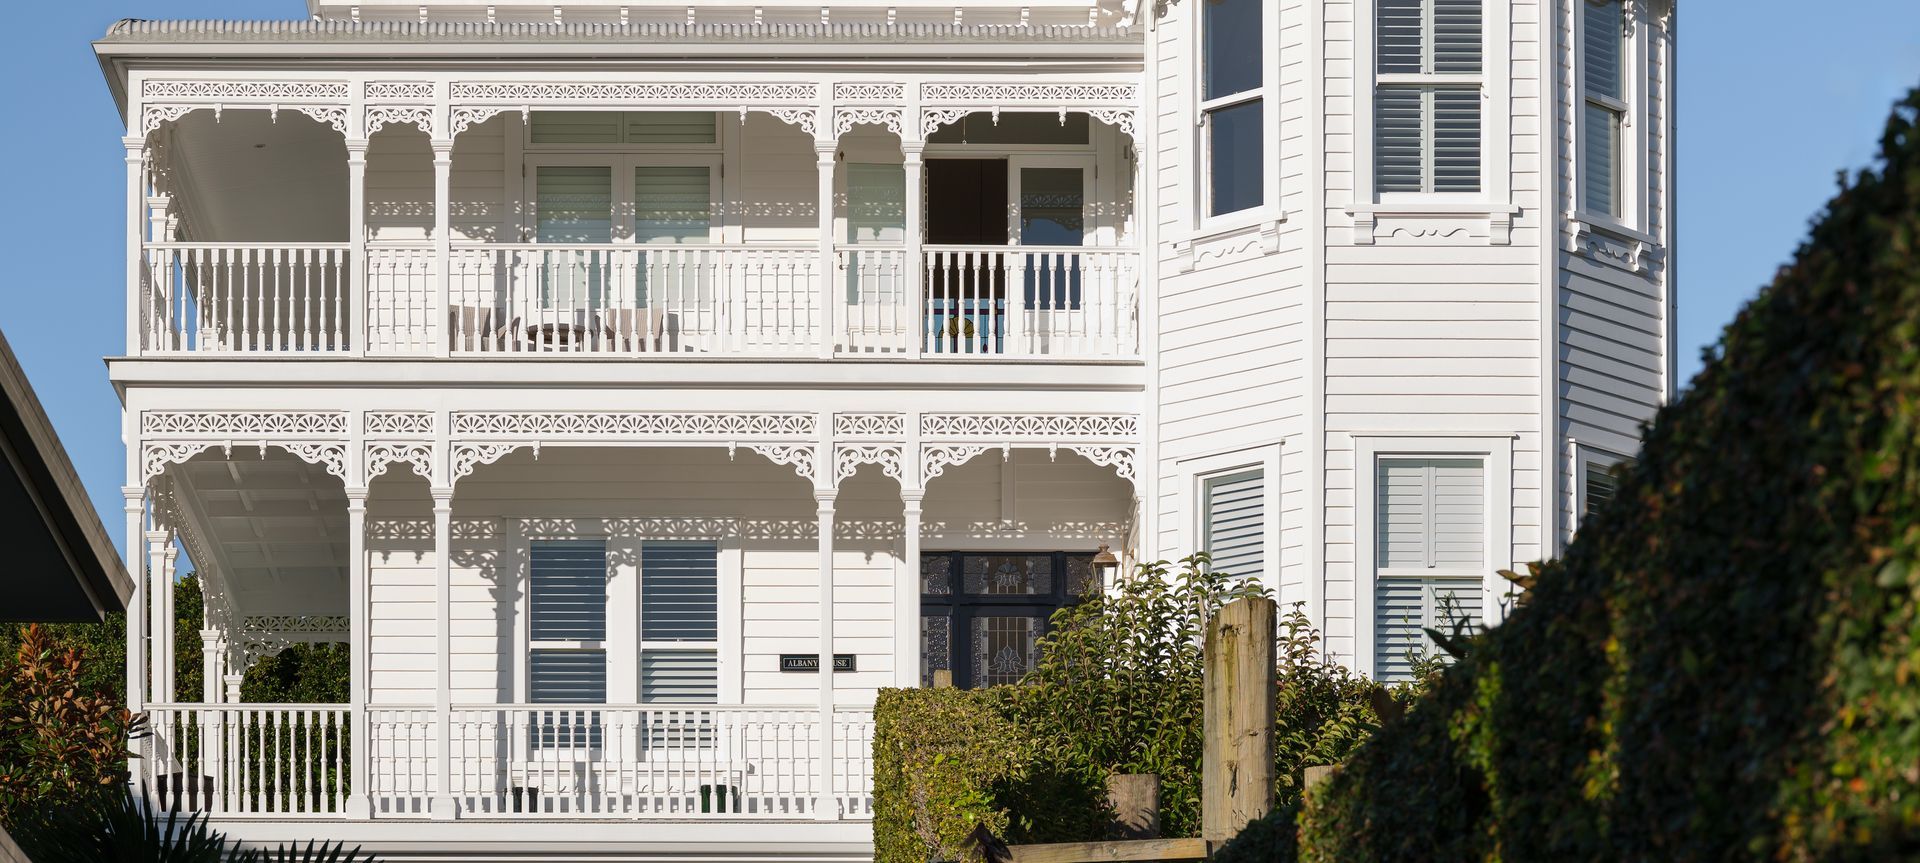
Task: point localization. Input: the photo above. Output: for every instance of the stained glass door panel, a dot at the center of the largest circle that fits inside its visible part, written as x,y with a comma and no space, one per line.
982,615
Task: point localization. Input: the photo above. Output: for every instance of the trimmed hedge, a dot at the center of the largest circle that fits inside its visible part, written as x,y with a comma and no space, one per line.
1724,666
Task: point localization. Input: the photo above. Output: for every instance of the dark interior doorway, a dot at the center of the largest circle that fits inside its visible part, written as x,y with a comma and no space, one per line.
967,202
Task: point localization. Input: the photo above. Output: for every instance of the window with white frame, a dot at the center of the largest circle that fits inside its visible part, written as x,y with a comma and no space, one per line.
679,623
1233,522
1430,540
1598,480
567,633
1429,85
1232,104
1603,117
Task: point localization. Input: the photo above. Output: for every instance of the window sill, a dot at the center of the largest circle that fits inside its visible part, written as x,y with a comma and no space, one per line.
1609,242
1220,242
1431,217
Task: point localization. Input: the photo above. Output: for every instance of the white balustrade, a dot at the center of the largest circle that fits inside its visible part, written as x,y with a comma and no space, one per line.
644,300
1029,301
252,759
245,298
512,761
633,300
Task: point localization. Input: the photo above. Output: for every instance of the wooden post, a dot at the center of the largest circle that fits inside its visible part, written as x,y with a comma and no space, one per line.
1135,798
1236,763
942,678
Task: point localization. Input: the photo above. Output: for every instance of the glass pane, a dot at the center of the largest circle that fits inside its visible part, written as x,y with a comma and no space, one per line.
567,591
936,647
670,127
1399,36
679,591
1004,575
1456,37
1399,139
1234,158
574,204
936,574
1600,159
1014,128
1603,39
1082,580
1052,207
1235,524
575,127
679,677
876,204
672,204
1004,649
1230,51
1456,140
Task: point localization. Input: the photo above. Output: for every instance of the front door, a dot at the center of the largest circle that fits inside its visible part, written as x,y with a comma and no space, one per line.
982,614
967,215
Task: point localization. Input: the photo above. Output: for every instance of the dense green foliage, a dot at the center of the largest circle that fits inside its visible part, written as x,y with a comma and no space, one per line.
1117,690
110,828
1723,666
58,742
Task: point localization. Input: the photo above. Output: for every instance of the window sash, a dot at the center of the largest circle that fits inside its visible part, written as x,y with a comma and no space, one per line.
1405,606
1427,169
1234,522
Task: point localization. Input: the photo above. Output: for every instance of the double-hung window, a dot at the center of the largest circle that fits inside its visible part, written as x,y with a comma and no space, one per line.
1429,85
1234,521
1430,540
679,640
567,633
1603,111
1232,104
1597,482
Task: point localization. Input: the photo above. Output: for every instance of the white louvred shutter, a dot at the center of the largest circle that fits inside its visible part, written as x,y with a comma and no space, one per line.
679,677
1399,28
1603,43
1601,488
1455,158
1399,139
679,603
567,593
1404,608
1457,37
1459,527
1236,523
1430,513
1600,135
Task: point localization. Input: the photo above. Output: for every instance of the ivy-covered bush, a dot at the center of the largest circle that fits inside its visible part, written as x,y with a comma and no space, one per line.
1117,690
1726,664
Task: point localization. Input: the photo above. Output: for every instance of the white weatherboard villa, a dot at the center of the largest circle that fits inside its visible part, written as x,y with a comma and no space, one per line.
602,371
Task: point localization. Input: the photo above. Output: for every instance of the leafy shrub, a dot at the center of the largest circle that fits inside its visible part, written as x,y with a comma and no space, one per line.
112,827
58,742
1723,666
1118,689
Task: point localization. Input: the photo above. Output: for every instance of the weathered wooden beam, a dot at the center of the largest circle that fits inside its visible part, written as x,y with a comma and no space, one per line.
1236,765
1135,798
1101,852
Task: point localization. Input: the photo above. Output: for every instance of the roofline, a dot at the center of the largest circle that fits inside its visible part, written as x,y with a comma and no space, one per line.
50,479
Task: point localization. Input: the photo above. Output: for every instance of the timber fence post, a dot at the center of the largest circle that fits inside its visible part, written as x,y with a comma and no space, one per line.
1236,784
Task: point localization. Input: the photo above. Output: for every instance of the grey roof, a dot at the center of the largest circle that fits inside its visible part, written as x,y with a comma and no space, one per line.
61,565
215,31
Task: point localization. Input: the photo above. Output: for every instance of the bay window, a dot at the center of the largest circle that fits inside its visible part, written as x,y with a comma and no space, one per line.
1603,108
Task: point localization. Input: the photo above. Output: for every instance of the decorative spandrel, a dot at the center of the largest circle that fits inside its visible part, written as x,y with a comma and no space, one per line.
936,575
1008,575
1004,649
1082,578
936,647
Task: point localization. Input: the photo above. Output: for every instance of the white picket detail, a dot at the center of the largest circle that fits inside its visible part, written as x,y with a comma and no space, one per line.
245,298
1029,301
252,759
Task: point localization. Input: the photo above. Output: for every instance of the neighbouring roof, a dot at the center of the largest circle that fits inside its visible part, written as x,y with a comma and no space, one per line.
60,565
211,31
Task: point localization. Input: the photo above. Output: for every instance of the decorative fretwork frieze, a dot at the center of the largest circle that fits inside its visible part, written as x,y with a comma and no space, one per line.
465,118
844,119
155,457
326,115
467,457
800,457
637,93
418,454
243,425
869,425
152,117
405,423
331,455
261,91
719,427
382,116
867,91
1028,95
398,91
931,119
800,117
1120,458
265,635
1063,427
848,459
936,458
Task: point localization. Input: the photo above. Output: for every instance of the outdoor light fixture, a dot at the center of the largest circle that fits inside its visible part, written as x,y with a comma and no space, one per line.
1105,566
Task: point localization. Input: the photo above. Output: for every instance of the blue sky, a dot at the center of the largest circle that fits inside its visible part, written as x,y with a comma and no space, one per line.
1775,96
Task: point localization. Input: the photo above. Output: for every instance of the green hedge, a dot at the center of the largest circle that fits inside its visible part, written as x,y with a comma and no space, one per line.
1726,664
1117,691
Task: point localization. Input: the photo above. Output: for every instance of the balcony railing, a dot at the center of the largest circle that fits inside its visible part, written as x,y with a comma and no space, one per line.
508,761
639,301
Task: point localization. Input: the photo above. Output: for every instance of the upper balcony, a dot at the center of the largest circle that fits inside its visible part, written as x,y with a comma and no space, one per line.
451,219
